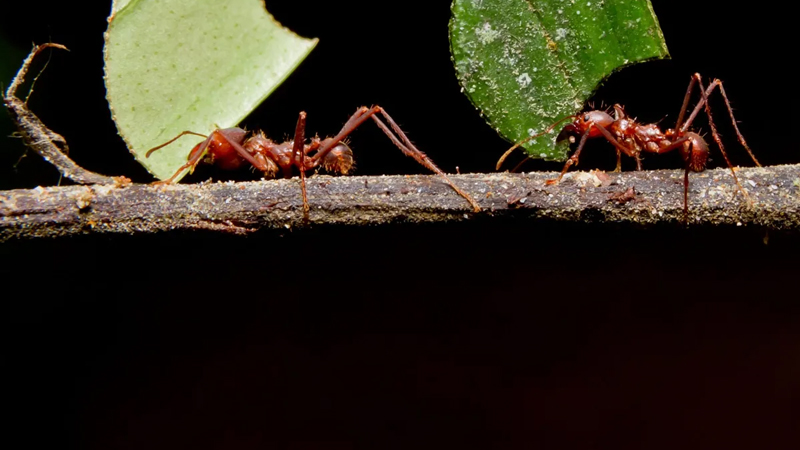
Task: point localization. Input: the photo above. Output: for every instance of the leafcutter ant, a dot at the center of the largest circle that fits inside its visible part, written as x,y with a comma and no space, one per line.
632,138
230,148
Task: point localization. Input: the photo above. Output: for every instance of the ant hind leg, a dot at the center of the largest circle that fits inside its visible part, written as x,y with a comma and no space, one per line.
410,150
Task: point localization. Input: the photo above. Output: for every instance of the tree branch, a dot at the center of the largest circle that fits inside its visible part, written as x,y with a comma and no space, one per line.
41,139
642,198
112,205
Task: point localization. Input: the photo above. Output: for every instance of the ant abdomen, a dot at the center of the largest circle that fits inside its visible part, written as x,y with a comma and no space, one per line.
695,152
339,159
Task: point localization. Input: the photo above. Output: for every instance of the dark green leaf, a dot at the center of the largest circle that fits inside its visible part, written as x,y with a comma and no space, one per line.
526,64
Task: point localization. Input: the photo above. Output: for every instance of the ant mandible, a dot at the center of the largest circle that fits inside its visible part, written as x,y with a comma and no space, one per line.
632,138
230,148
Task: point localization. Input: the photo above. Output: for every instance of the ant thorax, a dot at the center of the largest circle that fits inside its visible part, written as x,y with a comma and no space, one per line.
264,150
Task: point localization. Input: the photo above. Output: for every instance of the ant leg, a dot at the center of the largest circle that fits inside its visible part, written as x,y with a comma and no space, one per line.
360,116
233,136
574,158
613,141
685,107
716,134
528,139
686,195
194,157
718,83
619,162
299,157
410,150
313,146
407,147
705,93
517,167
356,115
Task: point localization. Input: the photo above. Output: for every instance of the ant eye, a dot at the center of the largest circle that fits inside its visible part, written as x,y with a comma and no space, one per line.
586,118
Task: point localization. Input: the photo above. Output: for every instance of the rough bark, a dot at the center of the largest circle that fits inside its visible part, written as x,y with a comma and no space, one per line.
636,198
48,144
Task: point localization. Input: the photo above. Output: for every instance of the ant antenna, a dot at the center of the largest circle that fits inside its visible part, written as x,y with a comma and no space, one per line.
529,138
149,152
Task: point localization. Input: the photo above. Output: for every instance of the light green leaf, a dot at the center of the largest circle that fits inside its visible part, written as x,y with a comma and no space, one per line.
526,64
176,65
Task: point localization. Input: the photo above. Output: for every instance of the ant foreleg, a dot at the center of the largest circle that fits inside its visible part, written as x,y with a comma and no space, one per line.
574,158
231,136
528,139
194,157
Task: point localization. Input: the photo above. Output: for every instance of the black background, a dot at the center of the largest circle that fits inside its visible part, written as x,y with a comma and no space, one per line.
486,333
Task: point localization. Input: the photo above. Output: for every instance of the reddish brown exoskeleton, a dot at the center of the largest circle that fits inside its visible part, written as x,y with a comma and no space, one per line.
632,138
230,148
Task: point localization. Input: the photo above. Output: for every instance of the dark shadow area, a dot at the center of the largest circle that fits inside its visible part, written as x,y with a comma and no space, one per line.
474,335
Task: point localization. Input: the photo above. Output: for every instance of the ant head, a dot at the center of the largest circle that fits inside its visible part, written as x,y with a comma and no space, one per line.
584,122
569,131
339,159
601,118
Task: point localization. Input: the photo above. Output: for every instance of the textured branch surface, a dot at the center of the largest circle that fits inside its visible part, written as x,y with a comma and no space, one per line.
48,144
250,206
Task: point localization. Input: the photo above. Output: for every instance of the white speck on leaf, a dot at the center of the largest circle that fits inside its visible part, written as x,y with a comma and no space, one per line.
524,80
486,35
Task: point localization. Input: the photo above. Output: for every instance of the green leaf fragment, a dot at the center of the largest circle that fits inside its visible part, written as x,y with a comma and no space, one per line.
176,65
526,64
